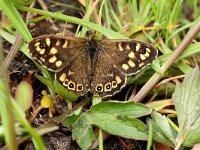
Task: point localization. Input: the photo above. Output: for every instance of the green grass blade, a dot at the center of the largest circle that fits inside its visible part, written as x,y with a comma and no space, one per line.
12,13
107,32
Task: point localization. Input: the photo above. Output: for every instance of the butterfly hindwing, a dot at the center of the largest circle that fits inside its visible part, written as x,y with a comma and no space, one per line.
107,78
75,76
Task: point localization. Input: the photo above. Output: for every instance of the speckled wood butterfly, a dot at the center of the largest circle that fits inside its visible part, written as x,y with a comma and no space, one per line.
99,66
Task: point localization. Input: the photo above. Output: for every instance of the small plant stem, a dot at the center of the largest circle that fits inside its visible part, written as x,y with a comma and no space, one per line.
12,52
100,139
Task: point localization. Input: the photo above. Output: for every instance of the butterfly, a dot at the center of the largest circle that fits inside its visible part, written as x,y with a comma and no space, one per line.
98,66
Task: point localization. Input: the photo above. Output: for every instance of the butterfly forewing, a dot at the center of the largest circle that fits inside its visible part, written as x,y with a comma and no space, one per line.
115,60
129,56
75,76
54,51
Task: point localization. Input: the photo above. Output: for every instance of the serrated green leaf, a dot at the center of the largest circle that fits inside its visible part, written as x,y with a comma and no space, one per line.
186,100
116,118
69,121
158,135
113,118
83,132
163,125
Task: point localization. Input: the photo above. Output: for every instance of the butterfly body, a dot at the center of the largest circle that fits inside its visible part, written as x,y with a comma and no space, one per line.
99,66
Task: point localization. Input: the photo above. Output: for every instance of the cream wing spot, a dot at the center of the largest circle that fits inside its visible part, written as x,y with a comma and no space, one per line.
148,50
137,47
53,51
142,57
107,87
125,66
62,77
58,63
58,43
147,54
65,44
120,47
99,88
141,64
65,82
71,86
52,59
79,87
114,84
37,44
48,41
131,63
128,47
38,49
42,51
118,79
131,55
42,59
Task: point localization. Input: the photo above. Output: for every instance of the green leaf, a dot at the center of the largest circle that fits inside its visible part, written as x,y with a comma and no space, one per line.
124,127
107,32
163,125
158,134
23,2
69,121
13,15
116,118
20,117
11,39
45,81
61,90
186,100
120,109
24,95
83,132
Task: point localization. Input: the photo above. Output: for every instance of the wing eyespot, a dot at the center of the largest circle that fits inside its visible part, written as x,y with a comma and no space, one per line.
108,86
143,51
114,84
42,46
79,87
99,88
71,85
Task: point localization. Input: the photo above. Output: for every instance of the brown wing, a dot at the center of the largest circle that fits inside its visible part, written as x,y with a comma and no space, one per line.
129,56
55,51
75,76
67,56
116,60
107,78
